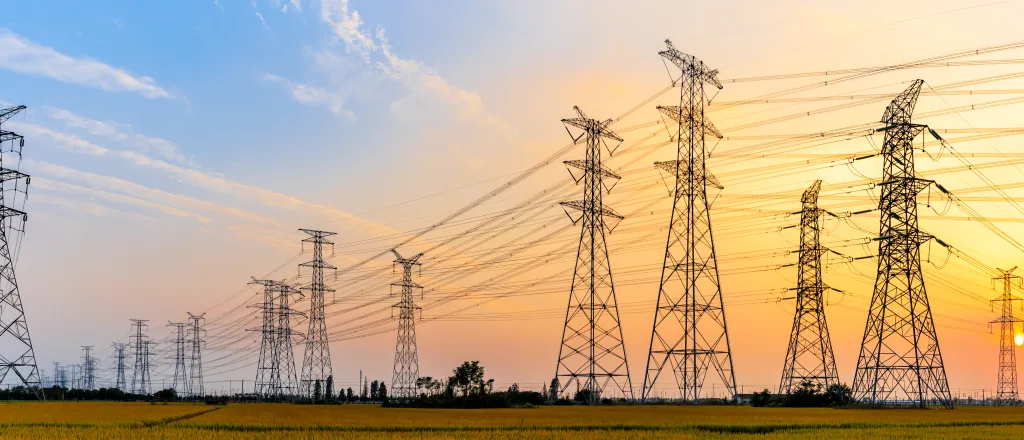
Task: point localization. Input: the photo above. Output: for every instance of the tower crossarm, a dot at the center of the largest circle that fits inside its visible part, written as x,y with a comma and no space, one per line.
682,115
9,112
10,212
582,164
690,65
7,174
590,126
671,166
581,205
9,136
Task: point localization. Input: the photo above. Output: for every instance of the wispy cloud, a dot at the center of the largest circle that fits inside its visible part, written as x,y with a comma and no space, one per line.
121,133
218,5
258,14
122,186
56,185
373,51
21,55
308,94
79,206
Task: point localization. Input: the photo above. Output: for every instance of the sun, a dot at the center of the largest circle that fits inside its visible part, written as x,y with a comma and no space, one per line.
1018,339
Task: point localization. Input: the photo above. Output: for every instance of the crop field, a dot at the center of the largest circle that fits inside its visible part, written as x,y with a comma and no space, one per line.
103,420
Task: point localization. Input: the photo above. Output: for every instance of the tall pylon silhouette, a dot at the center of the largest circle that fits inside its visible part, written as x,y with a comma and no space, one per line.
900,362
195,372
809,356
119,351
407,361
141,381
275,371
689,334
180,383
17,355
1006,387
316,362
592,355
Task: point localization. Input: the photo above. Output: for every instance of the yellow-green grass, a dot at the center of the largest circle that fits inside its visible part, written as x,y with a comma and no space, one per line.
181,433
373,416
91,412
101,420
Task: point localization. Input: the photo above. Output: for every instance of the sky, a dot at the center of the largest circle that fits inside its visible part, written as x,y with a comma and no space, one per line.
177,148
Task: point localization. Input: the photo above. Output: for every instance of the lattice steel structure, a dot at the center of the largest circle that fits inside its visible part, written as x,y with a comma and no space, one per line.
17,355
592,355
316,363
689,334
88,368
809,356
141,381
407,361
900,362
276,378
119,352
1006,388
195,372
180,382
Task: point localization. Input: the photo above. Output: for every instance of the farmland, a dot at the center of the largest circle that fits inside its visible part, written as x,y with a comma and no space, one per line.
93,420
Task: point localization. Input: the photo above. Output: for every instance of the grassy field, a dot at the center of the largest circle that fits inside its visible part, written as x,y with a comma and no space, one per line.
90,420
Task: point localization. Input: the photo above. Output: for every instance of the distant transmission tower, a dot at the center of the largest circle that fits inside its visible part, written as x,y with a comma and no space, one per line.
809,356
690,335
592,355
900,361
141,382
180,383
119,351
1006,390
16,352
88,368
195,375
316,363
275,372
407,361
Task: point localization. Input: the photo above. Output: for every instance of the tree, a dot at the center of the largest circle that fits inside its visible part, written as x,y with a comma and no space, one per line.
553,389
469,377
382,393
514,388
760,398
839,394
366,390
330,388
166,395
349,395
374,386
317,392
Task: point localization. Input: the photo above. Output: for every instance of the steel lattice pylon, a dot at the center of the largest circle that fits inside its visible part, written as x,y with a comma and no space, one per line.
180,383
1006,388
592,355
809,356
900,361
88,368
275,372
316,363
690,334
195,373
17,354
119,351
141,382
407,362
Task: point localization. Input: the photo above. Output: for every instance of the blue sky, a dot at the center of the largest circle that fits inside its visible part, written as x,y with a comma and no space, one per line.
175,147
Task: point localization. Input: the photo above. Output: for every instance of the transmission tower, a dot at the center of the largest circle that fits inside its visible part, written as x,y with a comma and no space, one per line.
195,375
141,382
180,383
16,352
316,363
1006,390
275,372
88,368
809,356
592,355
407,361
900,361
690,334
56,374
119,351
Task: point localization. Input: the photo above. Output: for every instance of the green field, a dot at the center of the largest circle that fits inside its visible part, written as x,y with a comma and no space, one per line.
92,420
